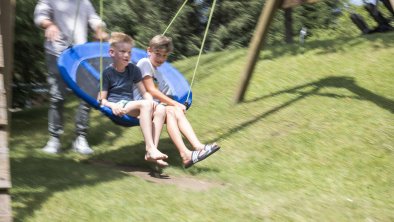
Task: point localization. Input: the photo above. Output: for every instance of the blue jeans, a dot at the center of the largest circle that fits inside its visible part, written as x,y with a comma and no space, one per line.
57,92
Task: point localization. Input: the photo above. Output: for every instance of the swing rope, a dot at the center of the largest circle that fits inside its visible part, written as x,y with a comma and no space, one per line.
101,40
169,25
101,54
175,16
201,48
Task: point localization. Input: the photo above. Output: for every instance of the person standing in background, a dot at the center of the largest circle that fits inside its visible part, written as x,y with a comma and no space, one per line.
65,23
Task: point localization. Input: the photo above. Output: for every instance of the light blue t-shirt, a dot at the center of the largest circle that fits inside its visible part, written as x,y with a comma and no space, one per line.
160,81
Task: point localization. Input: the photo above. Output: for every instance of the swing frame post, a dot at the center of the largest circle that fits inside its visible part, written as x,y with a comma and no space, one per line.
7,16
261,30
266,16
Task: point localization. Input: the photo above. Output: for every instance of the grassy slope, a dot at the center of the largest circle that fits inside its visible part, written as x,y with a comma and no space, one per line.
313,141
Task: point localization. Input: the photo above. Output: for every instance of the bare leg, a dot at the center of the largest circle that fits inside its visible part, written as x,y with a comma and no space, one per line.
175,134
186,128
145,108
159,116
176,125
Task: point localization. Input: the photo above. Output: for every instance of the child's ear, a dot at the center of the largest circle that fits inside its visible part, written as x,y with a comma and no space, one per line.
149,50
111,52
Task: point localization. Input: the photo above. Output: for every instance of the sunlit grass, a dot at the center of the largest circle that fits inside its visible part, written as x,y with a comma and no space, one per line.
313,141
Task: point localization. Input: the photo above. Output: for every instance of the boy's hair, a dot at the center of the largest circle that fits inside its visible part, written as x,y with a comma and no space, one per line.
161,42
120,37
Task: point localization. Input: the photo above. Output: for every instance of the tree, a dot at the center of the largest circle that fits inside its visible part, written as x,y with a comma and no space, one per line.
288,25
145,19
232,26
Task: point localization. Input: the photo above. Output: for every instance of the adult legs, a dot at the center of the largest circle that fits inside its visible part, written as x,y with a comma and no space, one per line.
57,92
80,143
56,101
82,119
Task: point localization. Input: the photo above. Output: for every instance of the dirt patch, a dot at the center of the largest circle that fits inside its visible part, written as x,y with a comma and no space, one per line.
157,176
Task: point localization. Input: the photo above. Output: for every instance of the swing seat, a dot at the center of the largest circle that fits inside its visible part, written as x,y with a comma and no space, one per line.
79,67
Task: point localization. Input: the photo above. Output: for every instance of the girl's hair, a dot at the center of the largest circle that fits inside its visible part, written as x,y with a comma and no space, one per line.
120,37
161,42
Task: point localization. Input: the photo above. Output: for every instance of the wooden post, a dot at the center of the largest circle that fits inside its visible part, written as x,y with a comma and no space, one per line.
265,19
7,9
392,4
258,38
293,3
7,31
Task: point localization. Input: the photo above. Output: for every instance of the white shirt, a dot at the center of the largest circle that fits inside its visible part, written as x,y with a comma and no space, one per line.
159,79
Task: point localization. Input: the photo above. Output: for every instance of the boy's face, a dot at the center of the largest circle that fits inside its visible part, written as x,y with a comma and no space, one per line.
121,54
158,56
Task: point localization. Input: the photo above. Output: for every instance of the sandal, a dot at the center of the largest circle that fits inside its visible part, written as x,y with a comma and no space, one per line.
197,156
211,146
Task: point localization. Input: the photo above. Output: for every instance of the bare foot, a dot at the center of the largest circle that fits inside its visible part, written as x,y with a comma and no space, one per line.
161,163
155,154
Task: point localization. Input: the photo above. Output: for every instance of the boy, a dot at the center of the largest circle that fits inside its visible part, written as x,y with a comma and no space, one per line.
118,81
177,124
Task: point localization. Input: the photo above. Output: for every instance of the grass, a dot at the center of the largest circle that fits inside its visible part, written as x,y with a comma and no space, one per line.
313,141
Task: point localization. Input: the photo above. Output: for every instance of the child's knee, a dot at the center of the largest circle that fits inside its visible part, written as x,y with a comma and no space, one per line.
147,105
160,111
178,110
170,110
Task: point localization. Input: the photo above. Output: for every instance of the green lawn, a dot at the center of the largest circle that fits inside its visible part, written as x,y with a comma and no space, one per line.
313,141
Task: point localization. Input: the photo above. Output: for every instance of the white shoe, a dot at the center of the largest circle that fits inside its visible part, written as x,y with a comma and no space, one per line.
53,145
81,146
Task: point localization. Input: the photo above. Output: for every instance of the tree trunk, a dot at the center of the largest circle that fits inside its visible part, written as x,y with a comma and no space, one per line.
288,25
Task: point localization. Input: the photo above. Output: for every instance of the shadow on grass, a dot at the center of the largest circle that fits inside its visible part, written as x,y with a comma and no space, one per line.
36,179
133,156
30,121
312,89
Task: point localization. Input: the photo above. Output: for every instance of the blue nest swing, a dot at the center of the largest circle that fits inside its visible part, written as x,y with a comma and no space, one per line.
79,67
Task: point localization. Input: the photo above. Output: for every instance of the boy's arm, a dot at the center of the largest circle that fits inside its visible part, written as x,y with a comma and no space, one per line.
117,109
156,93
103,97
143,91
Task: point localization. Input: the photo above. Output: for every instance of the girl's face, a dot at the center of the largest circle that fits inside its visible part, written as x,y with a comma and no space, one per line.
158,56
121,54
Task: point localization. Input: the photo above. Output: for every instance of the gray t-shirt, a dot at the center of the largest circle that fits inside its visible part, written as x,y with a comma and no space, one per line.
119,85
70,19
158,78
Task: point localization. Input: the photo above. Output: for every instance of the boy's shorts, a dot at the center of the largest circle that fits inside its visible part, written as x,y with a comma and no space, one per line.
123,103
